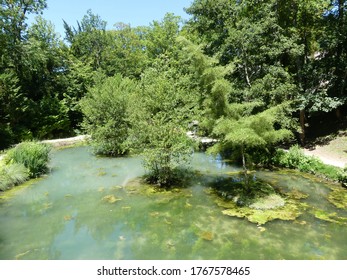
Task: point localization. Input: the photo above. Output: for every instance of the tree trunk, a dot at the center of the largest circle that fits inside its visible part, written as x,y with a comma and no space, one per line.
338,114
302,126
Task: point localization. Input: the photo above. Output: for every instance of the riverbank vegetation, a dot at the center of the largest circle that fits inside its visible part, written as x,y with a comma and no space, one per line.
26,160
253,76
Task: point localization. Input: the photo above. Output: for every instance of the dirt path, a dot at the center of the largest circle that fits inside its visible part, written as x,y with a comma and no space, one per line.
62,142
66,141
333,153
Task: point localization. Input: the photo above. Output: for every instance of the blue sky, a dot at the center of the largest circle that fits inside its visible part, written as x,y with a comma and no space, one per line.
133,12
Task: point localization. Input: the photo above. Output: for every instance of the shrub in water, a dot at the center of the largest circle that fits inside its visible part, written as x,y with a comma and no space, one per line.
33,155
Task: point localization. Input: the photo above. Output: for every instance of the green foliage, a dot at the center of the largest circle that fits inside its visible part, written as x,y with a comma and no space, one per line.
125,51
12,175
160,116
33,155
250,133
296,159
105,109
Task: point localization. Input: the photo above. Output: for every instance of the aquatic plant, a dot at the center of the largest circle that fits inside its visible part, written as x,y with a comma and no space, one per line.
271,201
110,198
290,211
329,217
33,155
338,197
257,201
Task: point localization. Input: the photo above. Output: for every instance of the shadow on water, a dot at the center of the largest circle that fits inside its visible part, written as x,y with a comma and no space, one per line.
96,208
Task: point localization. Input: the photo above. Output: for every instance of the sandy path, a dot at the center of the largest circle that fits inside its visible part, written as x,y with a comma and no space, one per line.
66,141
327,157
334,152
62,142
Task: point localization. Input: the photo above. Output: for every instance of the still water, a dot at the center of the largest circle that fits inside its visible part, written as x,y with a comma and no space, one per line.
83,210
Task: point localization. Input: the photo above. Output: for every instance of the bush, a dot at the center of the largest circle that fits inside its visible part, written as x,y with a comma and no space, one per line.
296,159
12,175
105,110
33,155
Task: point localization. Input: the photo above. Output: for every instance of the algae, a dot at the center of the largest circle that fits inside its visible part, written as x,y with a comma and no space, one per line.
290,211
338,197
328,217
7,194
110,198
296,194
271,201
68,218
206,235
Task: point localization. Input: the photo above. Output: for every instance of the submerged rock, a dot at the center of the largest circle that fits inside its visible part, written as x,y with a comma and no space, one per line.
110,198
206,235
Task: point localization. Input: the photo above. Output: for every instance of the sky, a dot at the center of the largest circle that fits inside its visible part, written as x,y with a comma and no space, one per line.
133,12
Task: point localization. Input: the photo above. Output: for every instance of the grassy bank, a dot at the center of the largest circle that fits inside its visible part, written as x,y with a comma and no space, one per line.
25,161
295,158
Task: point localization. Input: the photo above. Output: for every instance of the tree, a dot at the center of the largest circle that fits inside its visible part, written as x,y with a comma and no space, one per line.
160,36
106,114
125,51
160,116
252,134
89,40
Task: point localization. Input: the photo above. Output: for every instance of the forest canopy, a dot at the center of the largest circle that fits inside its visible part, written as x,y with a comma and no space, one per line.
232,67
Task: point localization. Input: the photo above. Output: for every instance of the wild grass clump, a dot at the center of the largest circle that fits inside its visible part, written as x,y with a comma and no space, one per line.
295,158
12,175
33,155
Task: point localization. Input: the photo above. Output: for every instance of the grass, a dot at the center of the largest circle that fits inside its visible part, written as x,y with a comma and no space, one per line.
26,160
33,155
12,175
296,159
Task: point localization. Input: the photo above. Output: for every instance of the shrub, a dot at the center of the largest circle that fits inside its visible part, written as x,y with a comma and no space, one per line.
105,110
12,175
296,159
33,155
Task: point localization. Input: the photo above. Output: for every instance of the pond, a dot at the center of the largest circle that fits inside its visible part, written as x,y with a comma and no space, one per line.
88,208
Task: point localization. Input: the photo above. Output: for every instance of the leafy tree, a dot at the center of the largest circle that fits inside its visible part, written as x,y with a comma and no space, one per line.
159,121
105,109
125,51
88,41
161,36
251,135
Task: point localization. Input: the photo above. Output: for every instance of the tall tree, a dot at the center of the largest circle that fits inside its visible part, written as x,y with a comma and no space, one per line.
89,39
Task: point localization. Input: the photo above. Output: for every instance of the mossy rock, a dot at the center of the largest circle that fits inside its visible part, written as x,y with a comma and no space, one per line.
110,198
206,235
338,197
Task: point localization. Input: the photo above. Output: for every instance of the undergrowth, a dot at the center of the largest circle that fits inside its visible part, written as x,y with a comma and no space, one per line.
295,158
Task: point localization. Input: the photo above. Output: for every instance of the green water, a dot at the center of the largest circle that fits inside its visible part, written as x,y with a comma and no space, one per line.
66,216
